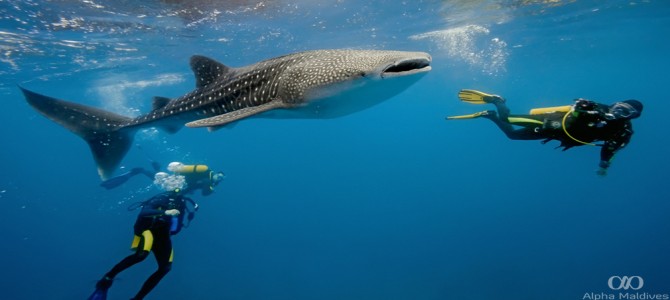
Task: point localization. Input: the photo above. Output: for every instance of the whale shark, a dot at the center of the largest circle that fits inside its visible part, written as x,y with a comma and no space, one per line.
311,84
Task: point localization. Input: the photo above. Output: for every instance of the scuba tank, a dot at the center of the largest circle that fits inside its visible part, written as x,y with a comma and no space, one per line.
174,224
548,110
192,173
174,220
182,169
196,176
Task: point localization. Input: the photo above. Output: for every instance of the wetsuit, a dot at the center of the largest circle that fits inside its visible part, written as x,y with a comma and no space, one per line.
152,234
587,122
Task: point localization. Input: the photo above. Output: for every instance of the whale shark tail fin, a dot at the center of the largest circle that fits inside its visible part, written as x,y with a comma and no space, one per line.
105,132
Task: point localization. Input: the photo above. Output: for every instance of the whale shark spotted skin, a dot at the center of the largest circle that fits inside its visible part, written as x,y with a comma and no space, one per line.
310,84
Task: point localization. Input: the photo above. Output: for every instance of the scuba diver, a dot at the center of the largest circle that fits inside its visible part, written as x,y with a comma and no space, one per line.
580,124
160,217
198,177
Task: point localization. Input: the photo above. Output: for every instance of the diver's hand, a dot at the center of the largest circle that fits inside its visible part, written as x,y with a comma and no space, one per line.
602,168
172,212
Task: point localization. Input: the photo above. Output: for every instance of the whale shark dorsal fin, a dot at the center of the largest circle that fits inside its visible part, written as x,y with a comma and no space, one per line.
160,102
223,119
206,70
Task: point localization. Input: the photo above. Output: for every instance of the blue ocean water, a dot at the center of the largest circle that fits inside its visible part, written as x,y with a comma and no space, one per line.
389,203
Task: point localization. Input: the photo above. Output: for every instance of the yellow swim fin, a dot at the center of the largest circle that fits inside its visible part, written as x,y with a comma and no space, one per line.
477,97
470,116
472,96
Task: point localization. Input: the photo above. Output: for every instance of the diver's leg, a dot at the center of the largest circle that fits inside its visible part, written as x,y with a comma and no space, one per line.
503,110
502,117
530,125
523,134
142,251
143,248
127,262
163,252
148,174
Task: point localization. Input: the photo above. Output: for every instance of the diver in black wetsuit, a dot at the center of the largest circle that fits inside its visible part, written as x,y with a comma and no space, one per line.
580,124
161,217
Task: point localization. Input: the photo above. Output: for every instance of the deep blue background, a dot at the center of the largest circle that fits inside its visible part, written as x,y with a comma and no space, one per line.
389,203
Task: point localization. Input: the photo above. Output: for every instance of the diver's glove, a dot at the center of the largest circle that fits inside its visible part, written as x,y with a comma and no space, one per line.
172,212
602,172
602,168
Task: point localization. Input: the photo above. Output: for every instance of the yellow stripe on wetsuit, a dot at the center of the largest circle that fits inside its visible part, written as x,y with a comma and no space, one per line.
523,120
148,241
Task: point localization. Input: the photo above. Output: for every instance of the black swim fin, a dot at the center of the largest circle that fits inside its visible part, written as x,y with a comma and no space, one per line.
101,288
116,181
99,294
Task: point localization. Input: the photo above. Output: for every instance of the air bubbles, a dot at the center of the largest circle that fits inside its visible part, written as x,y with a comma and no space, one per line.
169,182
470,44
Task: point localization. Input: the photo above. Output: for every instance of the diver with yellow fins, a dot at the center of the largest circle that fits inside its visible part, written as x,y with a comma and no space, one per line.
583,123
160,217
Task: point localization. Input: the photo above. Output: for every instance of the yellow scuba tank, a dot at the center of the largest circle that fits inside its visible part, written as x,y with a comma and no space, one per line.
548,110
194,174
190,169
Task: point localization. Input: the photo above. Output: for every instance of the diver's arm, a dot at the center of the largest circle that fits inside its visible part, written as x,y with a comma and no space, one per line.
158,212
612,146
153,208
606,155
151,212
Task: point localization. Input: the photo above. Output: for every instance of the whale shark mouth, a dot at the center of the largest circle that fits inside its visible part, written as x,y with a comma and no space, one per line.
407,67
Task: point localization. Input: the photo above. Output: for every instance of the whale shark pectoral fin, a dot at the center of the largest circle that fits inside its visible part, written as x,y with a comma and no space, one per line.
221,120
